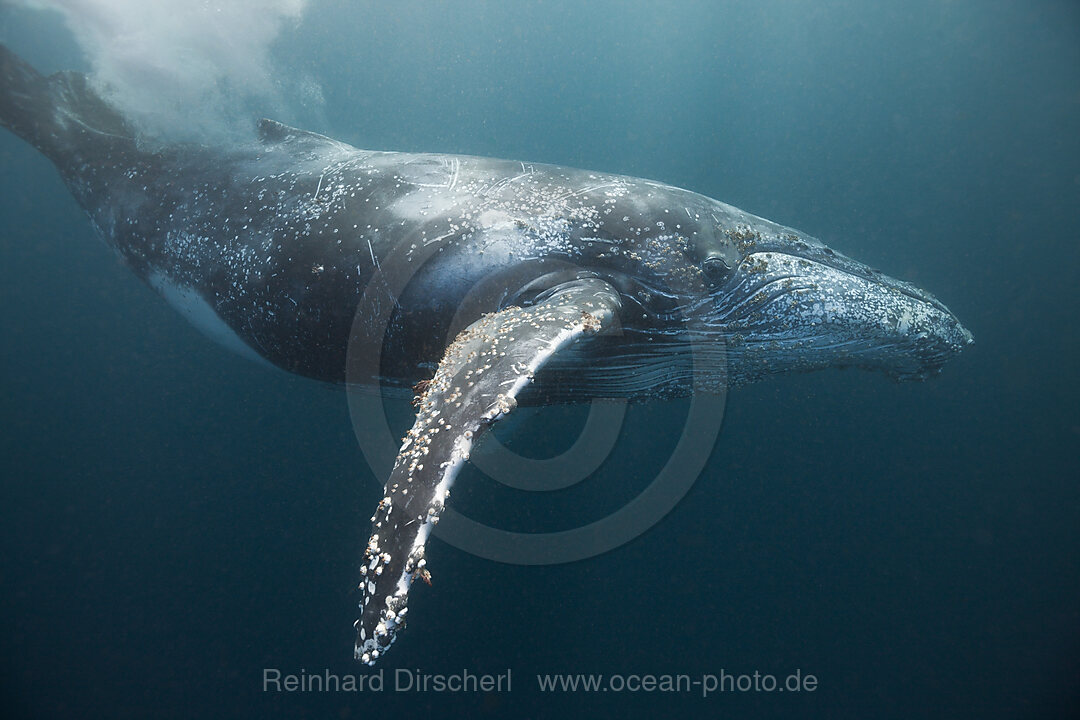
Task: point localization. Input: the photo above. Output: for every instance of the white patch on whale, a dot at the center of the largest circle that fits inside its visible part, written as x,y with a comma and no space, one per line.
198,312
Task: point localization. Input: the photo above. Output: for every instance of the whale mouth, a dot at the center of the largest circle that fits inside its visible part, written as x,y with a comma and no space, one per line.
784,312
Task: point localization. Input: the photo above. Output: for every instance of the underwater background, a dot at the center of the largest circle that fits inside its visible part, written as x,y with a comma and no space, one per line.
175,519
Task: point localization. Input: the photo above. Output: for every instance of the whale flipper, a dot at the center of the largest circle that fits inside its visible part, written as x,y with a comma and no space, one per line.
476,383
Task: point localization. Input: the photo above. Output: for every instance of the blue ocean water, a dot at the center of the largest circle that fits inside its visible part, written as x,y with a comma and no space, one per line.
175,520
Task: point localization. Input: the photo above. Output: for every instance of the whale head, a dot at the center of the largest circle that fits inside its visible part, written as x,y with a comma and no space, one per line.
790,303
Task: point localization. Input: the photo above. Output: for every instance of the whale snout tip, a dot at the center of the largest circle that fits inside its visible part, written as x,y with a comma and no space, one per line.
958,337
930,348
953,334
967,337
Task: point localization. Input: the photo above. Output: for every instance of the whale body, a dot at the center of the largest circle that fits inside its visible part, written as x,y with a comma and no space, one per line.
476,283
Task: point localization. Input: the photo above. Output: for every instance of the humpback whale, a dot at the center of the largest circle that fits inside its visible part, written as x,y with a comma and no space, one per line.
473,284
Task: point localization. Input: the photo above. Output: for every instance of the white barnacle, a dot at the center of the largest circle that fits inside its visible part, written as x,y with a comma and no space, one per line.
505,403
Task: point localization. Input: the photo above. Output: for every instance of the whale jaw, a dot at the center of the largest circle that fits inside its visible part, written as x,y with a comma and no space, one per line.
784,312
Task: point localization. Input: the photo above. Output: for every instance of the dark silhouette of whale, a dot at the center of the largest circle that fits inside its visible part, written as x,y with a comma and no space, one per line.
466,277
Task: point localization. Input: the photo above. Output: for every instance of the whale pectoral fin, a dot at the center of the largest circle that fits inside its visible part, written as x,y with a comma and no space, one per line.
476,383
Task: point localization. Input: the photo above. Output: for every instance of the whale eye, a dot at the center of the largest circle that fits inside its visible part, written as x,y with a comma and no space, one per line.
715,269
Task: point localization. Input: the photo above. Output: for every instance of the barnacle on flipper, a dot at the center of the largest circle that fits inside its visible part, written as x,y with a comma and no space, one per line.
419,391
